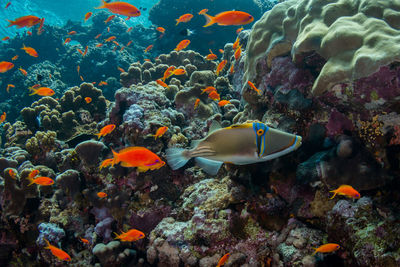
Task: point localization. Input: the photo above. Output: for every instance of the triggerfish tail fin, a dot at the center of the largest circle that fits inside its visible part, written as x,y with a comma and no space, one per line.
209,20
103,6
209,166
333,191
176,157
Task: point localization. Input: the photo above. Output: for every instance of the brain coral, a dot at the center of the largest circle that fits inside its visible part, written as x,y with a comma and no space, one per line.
355,37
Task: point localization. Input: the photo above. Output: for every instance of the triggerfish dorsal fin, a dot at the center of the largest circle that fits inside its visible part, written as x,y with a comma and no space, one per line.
215,125
209,166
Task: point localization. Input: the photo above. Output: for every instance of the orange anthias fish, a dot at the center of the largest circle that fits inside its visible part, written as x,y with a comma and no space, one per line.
239,30
24,72
59,253
221,51
160,29
85,241
88,99
168,73
42,180
30,51
130,236
231,69
109,19
33,174
101,194
121,8
99,45
9,86
129,43
211,56
72,33
12,173
101,83
109,39
229,18
106,130
97,36
160,131
208,90
223,103
3,117
221,66
179,71
252,86
214,96
203,11
238,52
67,41
223,260
139,157
148,48
326,248
346,190
121,69
106,163
116,43
88,15
196,103
8,4
84,53
184,18
129,29
5,38
236,44
182,45
42,91
25,21
163,84
5,66
14,57
29,33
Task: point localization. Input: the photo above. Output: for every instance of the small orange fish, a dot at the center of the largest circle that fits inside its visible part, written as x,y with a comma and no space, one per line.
116,43
24,72
121,8
78,68
9,86
97,36
84,53
196,103
30,51
238,52
121,69
239,30
72,33
223,103
33,174
8,4
231,69
326,248
182,45
130,236
101,194
101,83
160,29
229,18
88,99
35,86
346,190
29,33
12,174
25,21
106,130
109,39
252,86
221,66
223,260
99,45
184,18
214,96
179,71
40,29
106,163
42,91
85,241
160,132
208,90
5,66
108,29
203,11
168,73
235,44
129,43
88,15
42,180
109,19
139,157
122,48
148,48
146,59
3,117
59,253
163,84
67,41
211,56
81,78
14,57
129,29
5,38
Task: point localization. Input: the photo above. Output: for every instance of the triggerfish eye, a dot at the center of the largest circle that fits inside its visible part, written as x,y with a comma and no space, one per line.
260,129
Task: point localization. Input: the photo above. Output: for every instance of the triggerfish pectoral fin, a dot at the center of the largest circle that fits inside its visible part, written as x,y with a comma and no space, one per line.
209,166
176,157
